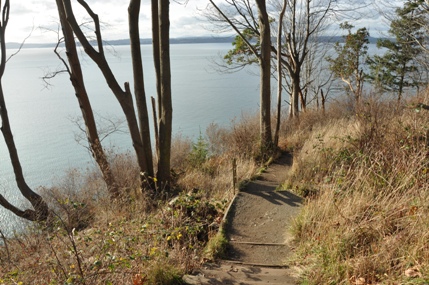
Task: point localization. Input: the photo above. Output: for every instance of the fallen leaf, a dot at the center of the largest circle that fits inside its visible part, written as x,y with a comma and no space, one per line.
413,272
138,279
360,281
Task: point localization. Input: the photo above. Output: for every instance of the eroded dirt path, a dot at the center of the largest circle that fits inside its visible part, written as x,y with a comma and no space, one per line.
257,230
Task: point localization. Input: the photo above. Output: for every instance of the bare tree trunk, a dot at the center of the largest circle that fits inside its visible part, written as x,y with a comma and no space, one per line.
166,109
155,125
279,72
156,51
401,83
295,96
124,97
263,29
76,78
303,100
139,90
265,77
41,210
322,95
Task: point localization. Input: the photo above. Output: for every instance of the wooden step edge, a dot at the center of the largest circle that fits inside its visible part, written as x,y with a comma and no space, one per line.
257,243
278,266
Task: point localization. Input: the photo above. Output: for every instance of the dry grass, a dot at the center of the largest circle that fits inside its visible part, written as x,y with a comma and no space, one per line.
135,241
369,221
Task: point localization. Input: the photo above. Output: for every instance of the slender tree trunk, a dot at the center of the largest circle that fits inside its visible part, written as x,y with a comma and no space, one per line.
322,95
41,210
156,51
401,83
279,74
166,114
359,86
157,65
155,125
124,97
303,99
76,78
139,90
295,96
265,78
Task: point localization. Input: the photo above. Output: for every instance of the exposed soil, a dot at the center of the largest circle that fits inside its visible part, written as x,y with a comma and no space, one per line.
257,230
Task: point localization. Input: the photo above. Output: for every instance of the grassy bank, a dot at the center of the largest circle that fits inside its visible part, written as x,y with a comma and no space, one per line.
365,173
136,240
363,170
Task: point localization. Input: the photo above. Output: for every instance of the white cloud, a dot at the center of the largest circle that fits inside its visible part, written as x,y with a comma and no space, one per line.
184,19
112,13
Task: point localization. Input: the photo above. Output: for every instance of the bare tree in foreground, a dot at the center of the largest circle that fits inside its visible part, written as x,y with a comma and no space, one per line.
138,126
263,54
41,211
76,77
279,73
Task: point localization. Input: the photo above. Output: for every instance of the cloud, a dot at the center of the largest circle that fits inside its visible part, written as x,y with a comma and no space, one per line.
20,9
185,20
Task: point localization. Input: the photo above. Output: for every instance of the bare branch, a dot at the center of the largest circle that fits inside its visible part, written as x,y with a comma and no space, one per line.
30,215
106,125
21,45
96,23
250,46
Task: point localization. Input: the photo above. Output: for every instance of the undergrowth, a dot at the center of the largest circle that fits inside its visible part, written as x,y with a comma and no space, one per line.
367,219
137,240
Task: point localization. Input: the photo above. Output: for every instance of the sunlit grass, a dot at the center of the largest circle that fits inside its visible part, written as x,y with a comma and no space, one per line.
369,222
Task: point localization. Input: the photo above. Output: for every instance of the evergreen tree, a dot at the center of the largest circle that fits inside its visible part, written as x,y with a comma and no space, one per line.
399,67
352,55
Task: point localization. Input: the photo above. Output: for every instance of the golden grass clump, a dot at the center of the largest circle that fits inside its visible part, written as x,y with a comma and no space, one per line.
369,222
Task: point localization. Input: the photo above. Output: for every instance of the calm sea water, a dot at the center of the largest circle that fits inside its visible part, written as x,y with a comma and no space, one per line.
41,117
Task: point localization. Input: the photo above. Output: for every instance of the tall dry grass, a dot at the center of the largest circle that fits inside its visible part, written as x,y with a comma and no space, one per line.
367,221
137,240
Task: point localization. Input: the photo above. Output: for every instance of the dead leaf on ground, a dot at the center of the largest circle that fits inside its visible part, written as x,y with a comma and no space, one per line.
138,279
413,272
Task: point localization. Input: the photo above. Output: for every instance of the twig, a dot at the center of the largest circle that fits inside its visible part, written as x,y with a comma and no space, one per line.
21,45
6,246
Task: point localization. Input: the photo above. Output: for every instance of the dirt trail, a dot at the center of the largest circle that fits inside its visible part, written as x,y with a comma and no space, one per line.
256,228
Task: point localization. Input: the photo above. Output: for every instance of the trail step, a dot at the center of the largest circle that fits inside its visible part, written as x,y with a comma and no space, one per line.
239,274
257,243
258,254
277,266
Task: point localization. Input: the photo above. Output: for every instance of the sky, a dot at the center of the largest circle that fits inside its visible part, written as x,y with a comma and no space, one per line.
39,18
42,15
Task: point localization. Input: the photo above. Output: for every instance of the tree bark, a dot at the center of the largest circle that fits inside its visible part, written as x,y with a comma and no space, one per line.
296,90
322,95
265,77
166,109
156,50
139,90
279,74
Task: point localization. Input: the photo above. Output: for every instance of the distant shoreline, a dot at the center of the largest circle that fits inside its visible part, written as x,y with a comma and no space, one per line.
123,42
185,40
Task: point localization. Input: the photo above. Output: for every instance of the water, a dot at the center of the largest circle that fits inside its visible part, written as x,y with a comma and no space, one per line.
41,118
